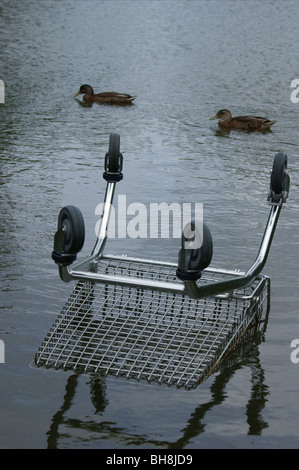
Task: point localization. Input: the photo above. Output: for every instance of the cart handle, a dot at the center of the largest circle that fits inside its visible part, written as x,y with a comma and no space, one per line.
197,291
186,272
278,194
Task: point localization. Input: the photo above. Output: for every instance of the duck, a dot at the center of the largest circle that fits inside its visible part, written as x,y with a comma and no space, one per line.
107,97
248,123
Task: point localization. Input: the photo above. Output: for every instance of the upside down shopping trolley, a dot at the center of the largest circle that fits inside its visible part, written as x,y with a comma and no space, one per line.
152,320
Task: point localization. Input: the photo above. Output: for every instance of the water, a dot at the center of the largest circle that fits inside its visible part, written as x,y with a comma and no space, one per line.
185,60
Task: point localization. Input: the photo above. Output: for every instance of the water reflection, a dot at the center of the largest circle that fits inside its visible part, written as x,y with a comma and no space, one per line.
83,103
224,132
195,425
254,407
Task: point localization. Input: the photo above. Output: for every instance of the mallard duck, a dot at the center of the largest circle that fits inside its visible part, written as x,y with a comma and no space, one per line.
249,123
108,97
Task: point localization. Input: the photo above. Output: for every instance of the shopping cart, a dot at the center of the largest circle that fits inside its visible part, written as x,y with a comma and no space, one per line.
150,320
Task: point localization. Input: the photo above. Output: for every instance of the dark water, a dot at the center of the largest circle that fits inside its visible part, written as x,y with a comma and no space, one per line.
185,60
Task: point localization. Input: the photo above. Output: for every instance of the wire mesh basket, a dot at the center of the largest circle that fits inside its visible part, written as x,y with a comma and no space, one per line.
155,321
149,334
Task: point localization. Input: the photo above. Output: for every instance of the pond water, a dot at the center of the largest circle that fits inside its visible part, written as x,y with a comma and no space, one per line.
184,60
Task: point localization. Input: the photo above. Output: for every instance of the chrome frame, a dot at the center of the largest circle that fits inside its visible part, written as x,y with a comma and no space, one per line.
87,268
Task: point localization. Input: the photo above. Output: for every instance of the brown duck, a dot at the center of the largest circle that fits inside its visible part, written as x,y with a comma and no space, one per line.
107,97
248,123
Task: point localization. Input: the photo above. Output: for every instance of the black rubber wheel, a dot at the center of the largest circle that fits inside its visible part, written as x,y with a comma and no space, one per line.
278,173
71,221
202,256
114,155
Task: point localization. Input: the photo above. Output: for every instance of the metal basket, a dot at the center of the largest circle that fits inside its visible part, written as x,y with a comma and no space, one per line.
156,321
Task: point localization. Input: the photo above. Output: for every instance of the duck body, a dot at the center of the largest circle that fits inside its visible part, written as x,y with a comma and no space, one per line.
248,123
107,97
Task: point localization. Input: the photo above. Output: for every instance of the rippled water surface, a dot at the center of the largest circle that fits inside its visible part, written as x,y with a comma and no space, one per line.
184,60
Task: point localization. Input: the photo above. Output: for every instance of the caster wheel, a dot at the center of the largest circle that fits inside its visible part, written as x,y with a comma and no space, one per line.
201,254
114,157
278,173
71,221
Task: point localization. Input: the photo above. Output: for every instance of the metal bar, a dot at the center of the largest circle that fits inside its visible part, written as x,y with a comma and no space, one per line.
102,235
197,291
169,264
129,281
192,288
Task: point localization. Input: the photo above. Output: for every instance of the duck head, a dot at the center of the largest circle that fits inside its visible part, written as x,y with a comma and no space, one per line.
223,114
85,89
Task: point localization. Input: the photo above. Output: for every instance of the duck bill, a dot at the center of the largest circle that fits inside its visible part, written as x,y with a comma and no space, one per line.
214,117
79,93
